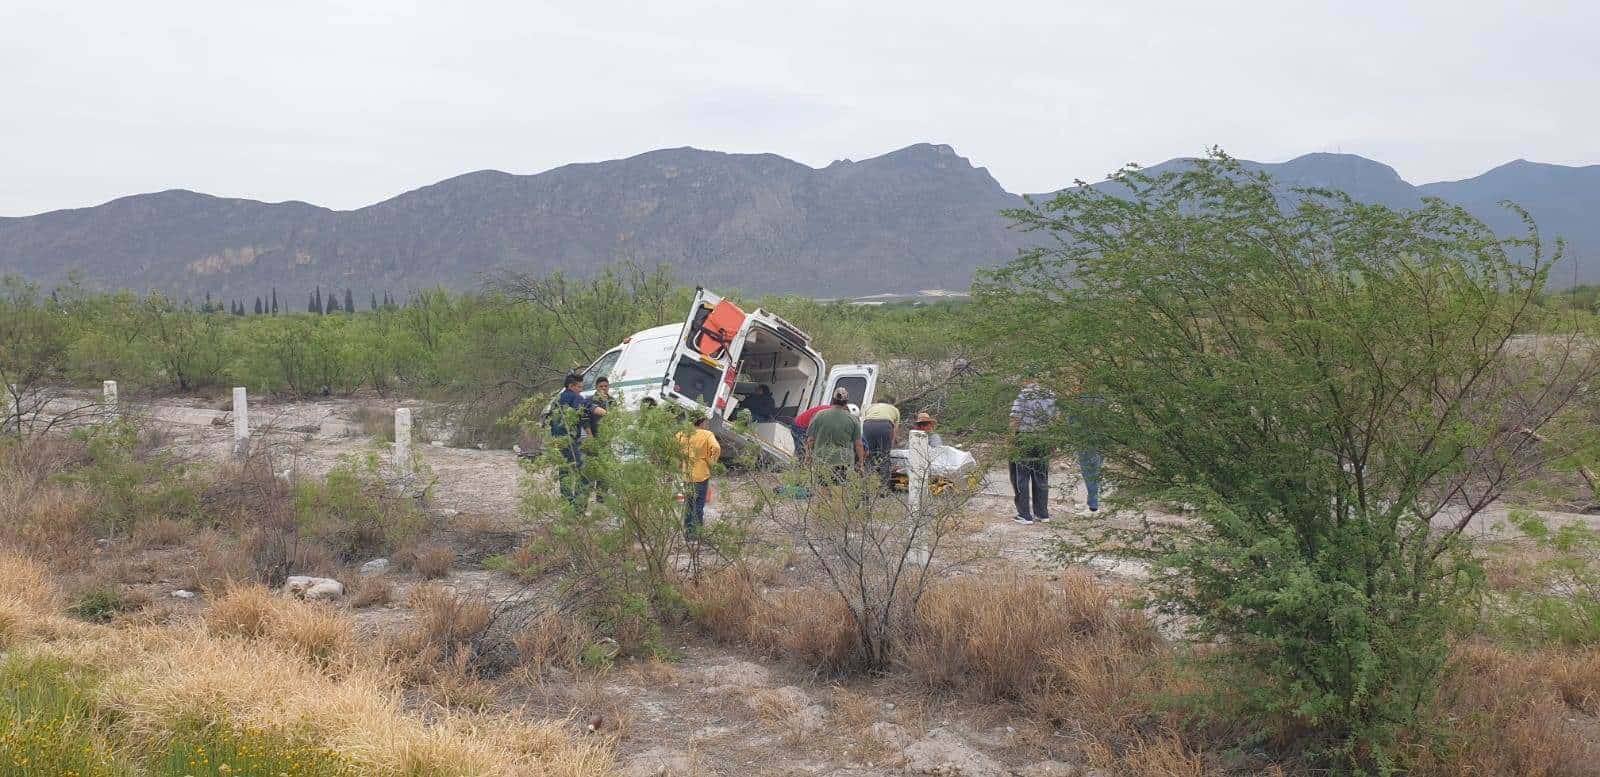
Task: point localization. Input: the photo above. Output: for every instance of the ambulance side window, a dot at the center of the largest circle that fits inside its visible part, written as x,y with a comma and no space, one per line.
600,369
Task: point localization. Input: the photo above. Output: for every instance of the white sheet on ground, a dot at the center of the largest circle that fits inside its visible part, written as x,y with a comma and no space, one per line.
946,462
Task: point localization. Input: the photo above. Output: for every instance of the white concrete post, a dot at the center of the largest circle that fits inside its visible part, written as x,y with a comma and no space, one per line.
918,456
241,423
108,392
402,438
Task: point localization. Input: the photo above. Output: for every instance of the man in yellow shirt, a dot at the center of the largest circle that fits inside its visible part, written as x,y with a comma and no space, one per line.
880,425
700,451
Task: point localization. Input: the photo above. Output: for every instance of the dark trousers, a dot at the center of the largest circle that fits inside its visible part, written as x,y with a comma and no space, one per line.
799,436
573,489
694,506
1089,463
878,436
1030,483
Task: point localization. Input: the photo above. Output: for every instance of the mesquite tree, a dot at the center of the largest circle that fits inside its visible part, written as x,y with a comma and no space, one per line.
1335,391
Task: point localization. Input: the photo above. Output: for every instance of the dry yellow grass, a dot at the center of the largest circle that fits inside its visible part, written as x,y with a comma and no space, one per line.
313,630
30,602
808,625
1015,637
433,562
552,639
158,677
1514,713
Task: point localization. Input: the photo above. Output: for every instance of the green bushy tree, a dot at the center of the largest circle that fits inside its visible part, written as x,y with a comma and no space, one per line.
1334,389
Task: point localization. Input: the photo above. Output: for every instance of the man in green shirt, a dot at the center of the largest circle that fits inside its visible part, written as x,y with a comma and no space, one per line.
834,438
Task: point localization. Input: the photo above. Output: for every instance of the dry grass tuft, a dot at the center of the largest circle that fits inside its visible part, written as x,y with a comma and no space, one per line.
1012,638
553,640
160,532
808,625
725,603
1513,713
433,562
1160,756
310,629
447,624
242,611
370,592
159,678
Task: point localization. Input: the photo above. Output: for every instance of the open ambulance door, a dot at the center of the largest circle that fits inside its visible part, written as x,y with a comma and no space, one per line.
700,369
860,381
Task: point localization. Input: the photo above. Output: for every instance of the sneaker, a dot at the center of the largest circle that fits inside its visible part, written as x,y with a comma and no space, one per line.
1025,521
1088,512
1042,519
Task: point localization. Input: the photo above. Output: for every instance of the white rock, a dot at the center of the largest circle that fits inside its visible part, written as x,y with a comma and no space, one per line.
317,588
943,754
183,594
376,566
437,443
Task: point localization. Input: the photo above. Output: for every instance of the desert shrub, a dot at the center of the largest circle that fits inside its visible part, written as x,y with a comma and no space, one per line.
189,347
620,556
99,603
1332,387
877,555
130,482
354,513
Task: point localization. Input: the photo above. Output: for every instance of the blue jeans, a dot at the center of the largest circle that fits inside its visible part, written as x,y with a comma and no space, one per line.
573,488
799,436
1089,463
694,506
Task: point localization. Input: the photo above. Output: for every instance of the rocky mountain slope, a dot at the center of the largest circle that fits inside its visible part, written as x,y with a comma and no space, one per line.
918,218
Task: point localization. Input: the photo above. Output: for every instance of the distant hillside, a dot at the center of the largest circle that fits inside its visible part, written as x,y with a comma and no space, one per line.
921,217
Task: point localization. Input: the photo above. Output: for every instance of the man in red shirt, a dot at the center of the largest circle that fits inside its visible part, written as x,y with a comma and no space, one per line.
797,430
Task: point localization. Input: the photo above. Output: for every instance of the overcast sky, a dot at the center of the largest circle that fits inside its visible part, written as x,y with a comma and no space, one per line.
346,103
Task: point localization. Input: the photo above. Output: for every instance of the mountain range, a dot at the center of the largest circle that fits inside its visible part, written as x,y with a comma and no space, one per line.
922,217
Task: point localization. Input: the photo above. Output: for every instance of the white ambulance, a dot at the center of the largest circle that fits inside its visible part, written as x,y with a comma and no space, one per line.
714,361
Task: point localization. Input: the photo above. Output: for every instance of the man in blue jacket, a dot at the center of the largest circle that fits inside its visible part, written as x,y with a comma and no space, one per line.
571,415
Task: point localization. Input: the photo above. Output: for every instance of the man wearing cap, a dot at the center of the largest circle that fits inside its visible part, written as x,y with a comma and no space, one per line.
834,438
